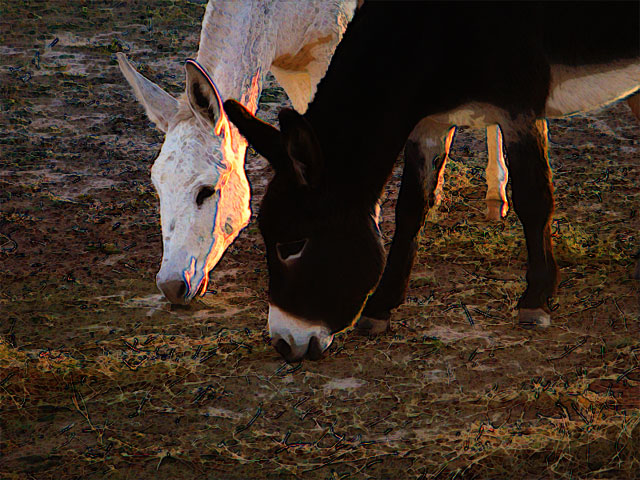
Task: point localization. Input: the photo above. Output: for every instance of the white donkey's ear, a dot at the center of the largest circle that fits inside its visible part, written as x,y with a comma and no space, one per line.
159,105
202,93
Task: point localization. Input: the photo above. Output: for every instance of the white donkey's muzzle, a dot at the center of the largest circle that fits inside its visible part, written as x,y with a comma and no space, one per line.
173,282
295,338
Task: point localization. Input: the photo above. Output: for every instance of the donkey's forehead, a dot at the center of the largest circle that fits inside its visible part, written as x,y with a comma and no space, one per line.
188,151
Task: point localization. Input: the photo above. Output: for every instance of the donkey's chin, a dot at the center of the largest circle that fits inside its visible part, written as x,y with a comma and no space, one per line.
178,291
296,338
202,288
198,291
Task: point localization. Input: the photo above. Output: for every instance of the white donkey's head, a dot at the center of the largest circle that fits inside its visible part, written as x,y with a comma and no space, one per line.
199,176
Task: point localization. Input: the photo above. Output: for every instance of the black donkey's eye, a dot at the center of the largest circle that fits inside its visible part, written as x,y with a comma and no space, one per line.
203,194
291,250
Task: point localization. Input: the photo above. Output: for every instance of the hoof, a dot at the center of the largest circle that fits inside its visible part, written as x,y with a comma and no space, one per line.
533,317
496,210
372,326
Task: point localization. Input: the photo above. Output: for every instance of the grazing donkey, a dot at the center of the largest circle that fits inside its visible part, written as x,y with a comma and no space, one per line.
199,174
385,87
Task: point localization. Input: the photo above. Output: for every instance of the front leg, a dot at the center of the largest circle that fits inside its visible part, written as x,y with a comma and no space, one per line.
532,195
425,154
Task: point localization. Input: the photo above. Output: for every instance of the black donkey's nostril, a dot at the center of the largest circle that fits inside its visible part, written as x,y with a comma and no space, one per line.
283,348
314,352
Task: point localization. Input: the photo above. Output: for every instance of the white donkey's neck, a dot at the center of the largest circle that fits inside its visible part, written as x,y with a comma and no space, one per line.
241,38
237,41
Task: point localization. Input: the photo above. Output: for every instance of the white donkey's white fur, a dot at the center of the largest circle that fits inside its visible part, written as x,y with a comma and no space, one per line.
239,42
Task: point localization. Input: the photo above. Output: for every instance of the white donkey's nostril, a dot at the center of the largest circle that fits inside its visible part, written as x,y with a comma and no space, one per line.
294,337
174,290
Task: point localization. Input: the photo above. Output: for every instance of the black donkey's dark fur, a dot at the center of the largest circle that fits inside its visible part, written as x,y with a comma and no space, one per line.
398,63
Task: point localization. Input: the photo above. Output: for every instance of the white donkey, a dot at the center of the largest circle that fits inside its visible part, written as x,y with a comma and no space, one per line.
199,174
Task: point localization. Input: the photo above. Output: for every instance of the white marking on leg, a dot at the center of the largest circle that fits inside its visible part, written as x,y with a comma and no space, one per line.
497,175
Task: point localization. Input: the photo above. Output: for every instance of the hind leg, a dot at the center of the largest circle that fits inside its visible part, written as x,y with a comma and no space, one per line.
497,176
425,153
634,104
532,194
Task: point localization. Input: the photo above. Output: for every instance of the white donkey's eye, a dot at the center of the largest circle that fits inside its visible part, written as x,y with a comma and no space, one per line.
290,250
203,194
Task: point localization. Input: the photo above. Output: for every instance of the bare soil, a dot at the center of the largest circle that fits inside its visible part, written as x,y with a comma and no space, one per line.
101,378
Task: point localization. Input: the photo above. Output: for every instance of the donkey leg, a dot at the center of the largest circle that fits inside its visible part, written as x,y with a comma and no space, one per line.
532,194
497,176
424,158
634,104
439,177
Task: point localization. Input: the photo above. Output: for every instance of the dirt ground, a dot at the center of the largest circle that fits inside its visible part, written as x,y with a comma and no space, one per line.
101,378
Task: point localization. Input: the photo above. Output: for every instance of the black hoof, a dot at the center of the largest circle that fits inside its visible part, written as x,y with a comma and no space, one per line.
372,326
533,318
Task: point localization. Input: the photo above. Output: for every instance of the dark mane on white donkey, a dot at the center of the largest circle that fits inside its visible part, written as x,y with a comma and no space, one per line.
400,76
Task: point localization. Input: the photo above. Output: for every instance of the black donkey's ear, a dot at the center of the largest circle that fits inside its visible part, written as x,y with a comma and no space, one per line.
303,148
264,138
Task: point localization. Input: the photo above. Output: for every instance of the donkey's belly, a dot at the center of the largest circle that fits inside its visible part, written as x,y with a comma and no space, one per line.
584,88
573,90
473,114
